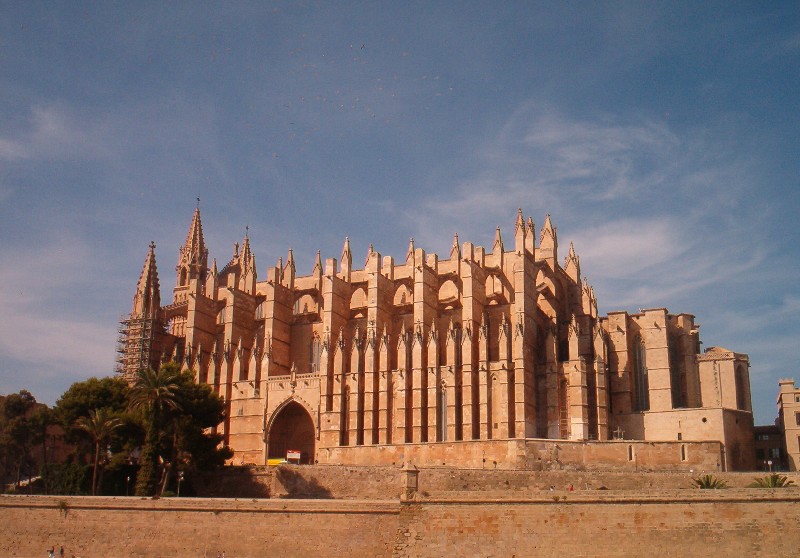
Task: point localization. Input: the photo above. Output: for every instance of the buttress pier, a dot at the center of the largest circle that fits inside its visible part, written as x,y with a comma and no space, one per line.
483,345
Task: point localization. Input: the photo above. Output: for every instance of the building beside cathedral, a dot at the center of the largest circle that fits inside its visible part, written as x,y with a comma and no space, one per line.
497,352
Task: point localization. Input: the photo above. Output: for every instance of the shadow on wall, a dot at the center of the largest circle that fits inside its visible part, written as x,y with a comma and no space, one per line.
233,482
298,486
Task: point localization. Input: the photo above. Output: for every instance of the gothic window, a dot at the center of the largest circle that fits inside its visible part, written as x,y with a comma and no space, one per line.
741,389
675,376
641,384
183,277
441,412
458,355
316,351
487,325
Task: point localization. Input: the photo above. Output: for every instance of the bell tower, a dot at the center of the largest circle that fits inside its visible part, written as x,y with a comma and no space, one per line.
192,268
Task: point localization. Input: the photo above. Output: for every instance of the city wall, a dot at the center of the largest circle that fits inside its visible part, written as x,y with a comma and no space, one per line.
380,483
686,523
536,454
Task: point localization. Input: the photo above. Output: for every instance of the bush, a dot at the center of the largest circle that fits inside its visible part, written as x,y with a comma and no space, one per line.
773,480
709,482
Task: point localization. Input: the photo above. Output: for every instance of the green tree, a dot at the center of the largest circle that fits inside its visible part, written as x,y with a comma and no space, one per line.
20,431
195,445
82,397
100,424
110,394
153,394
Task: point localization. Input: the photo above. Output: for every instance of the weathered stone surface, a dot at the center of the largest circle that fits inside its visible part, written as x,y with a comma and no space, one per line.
363,366
733,522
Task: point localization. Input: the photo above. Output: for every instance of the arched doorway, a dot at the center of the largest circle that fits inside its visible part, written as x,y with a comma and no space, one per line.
292,429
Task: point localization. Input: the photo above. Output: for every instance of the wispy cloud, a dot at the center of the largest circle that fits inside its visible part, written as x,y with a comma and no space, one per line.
589,173
35,328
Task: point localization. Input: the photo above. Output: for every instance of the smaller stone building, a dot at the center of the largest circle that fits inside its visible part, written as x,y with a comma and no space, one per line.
769,444
789,421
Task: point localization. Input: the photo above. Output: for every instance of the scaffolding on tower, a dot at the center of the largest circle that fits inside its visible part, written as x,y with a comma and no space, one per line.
134,346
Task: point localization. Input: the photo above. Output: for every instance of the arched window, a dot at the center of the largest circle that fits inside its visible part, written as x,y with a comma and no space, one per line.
316,351
183,277
641,385
676,376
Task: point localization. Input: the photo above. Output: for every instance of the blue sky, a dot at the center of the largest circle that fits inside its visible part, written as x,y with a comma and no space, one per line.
663,138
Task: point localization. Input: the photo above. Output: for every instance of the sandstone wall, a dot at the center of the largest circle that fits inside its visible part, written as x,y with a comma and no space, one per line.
535,454
369,482
97,526
682,523
668,523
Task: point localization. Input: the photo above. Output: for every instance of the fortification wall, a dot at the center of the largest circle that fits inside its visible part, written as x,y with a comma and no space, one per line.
660,523
535,454
97,526
735,522
376,483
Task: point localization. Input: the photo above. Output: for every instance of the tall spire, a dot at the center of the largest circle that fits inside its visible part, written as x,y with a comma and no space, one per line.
548,243
519,233
246,254
498,248
346,264
572,264
530,236
147,300
193,255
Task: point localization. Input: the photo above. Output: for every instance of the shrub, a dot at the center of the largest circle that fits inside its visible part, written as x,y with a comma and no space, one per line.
708,482
773,480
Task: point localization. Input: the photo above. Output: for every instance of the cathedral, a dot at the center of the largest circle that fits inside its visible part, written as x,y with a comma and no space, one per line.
449,357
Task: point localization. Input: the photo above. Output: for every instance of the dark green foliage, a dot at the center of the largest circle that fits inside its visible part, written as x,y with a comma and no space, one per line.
152,432
152,394
178,414
99,425
89,395
709,482
69,478
22,432
773,480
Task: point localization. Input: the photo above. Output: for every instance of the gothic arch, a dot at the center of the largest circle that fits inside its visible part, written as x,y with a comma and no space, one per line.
403,295
291,427
449,294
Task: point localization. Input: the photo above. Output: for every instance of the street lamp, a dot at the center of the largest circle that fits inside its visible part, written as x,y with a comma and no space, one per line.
127,485
180,478
770,465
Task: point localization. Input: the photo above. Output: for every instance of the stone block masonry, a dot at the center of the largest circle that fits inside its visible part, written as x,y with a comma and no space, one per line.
686,523
97,526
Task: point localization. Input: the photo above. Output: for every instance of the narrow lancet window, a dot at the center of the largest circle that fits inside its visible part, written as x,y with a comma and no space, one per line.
641,384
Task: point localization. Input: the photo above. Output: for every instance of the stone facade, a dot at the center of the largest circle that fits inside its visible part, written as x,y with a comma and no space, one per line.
789,422
499,344
769,446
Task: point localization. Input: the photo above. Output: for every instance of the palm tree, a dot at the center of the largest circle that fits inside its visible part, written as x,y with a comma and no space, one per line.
99,425
709,482
773,480
153,393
